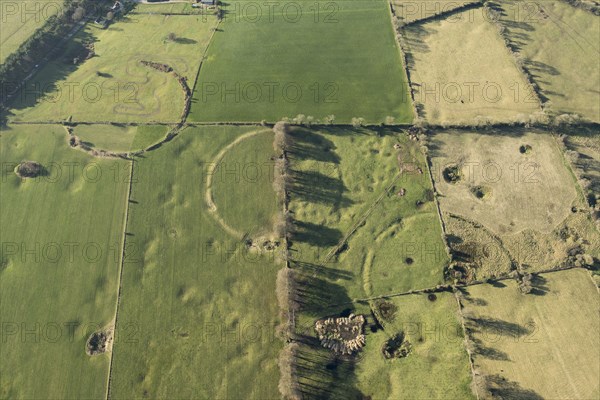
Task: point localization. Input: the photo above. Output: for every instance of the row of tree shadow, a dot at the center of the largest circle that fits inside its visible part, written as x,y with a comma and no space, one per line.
316,372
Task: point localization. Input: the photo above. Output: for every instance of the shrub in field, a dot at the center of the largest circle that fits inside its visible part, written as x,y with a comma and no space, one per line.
29,169
396,347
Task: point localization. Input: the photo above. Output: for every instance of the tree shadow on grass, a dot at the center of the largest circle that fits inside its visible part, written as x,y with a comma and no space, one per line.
503,388
316,235
321,373
326,272
316,187
488,352
309,145
496,327
539,285
324,375
185,41
46,80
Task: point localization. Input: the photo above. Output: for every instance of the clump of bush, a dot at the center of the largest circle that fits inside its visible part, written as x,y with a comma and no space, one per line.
396,347
452,174
98,343
481,192
387,310
525,149
29,169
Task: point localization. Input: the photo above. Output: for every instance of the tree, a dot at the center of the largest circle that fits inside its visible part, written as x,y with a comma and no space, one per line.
110,16
281,141
172,37
358,122
78,14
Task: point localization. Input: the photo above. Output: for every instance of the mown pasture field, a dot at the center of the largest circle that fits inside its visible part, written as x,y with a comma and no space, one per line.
113,85
550,35
437,366
364,212
166,8
61,251
540,345
201,300
516,193
314,59
462,73
121,138
20,19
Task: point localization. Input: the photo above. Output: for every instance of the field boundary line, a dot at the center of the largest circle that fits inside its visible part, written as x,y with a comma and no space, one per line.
202,58
403,59
442,288
461,317
438,207
122,265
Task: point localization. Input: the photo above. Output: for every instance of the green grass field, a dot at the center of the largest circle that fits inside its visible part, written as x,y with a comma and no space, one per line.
351,222
321,59
181,249
241,177
20,19
166,8
125,90
438,365
201,303
541,345
61,241
120,138
471,83
550,35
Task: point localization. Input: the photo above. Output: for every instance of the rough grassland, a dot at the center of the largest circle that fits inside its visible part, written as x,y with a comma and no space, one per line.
410,11
19,19
342,61
527,198
126,91
120,138
542,345
198,306
436,368
551,35
60,284
351,224
462,73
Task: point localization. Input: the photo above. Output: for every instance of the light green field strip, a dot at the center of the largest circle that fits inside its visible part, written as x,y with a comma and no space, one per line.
120,138
61,250
198,312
